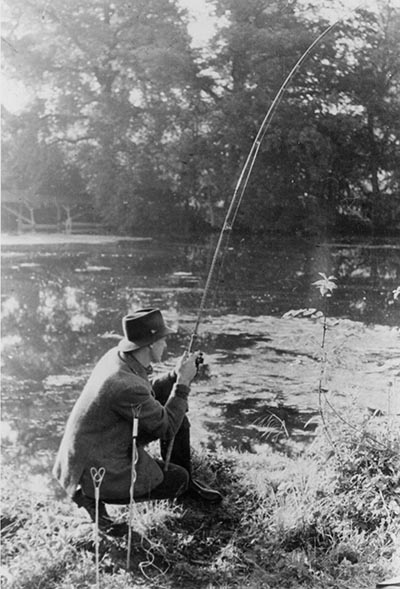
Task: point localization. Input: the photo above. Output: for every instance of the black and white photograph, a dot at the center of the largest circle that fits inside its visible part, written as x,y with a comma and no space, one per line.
200,294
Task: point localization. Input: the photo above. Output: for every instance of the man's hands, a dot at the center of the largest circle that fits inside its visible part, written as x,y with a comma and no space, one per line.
186,368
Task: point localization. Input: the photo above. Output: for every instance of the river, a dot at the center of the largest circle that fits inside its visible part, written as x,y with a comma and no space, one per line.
62,304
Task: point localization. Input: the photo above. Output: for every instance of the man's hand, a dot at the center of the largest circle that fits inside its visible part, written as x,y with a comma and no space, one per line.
186,368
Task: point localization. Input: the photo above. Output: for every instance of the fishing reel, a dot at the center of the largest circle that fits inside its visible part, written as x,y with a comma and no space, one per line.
203,370
199,361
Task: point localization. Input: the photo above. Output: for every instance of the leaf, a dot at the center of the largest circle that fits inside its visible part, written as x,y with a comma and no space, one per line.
326,284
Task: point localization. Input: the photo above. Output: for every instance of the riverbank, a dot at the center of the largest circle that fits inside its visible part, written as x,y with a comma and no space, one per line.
11,239
309,473
42,238
327,517
315,515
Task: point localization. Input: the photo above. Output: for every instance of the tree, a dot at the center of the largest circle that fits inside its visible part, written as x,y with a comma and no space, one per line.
320,153
114,80
159,132
36,170
369,87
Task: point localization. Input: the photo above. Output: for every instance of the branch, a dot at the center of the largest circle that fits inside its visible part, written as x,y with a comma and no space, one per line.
9,44
85,49
73,141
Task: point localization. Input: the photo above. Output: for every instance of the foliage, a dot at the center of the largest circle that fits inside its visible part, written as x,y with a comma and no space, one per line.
368,476
154,133
319,165
313,519
374,181
326,284
40,171
115,83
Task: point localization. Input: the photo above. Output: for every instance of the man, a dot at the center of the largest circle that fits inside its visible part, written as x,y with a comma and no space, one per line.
99,430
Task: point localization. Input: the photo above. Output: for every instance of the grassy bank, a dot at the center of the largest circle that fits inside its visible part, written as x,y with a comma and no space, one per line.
327,516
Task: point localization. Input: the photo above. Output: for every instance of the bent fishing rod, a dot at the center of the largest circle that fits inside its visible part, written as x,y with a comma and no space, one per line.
238,193
243,179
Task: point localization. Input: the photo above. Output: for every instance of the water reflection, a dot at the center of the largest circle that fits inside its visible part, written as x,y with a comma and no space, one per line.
248,422
62,308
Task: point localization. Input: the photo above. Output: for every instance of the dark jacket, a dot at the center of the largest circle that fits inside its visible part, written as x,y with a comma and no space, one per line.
98,432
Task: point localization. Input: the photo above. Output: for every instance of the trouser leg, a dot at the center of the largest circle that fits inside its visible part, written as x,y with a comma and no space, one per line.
174,484
181,447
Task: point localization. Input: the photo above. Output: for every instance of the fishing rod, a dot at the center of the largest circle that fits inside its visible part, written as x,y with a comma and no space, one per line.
238,193
242,182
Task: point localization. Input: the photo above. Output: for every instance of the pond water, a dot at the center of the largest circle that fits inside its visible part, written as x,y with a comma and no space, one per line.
62,306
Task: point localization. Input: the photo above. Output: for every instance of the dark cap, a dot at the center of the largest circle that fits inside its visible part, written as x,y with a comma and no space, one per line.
142,328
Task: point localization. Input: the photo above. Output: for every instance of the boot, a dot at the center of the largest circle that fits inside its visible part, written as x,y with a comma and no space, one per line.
201,491
106,524
181,456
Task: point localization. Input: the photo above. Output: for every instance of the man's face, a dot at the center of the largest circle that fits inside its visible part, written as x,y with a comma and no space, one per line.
157,349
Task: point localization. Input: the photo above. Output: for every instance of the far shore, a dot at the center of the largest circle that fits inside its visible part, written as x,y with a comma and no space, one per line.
55,238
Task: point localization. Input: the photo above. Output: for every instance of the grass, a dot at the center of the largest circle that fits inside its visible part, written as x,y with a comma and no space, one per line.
317,518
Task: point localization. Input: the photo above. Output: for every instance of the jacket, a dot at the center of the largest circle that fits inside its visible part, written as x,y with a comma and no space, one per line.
98,432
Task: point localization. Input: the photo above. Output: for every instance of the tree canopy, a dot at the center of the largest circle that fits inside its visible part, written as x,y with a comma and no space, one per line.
152,133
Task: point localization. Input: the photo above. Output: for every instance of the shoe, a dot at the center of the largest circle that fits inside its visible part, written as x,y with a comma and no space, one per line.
106,524
394,582
198,490
89,504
